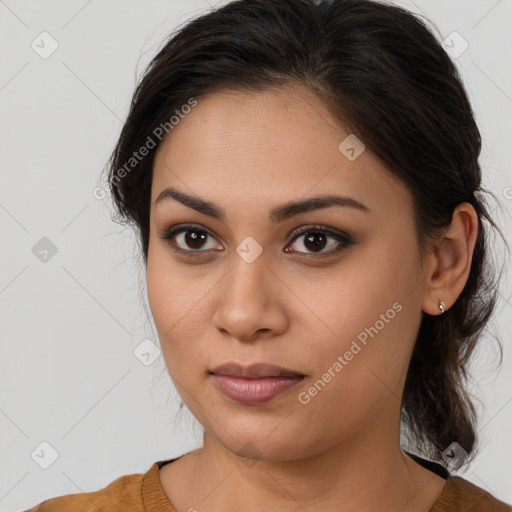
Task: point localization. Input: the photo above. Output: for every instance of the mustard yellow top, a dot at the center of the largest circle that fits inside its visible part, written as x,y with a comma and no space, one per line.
144,493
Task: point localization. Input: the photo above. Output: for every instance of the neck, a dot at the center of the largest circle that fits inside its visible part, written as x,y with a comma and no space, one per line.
366,472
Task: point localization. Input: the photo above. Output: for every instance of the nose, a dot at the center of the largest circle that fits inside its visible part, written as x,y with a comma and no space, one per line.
250,301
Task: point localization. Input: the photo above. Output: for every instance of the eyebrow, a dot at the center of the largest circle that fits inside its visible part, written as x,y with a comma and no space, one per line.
276,215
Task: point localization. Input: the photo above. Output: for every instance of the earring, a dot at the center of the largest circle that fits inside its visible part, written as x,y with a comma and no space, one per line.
441,307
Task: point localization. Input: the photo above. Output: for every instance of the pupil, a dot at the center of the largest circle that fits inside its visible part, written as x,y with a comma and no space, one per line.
192,239
310,243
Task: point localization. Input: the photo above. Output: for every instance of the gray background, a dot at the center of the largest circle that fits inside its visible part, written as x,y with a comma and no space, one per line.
69,326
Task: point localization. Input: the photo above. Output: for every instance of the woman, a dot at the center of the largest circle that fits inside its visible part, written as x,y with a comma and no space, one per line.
304,179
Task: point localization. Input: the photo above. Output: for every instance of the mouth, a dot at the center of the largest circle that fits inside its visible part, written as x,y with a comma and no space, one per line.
255,384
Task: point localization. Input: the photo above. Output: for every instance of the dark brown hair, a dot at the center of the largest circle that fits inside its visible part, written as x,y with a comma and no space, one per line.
386,78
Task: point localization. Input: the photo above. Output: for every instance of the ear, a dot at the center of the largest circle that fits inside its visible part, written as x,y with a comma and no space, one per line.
450,262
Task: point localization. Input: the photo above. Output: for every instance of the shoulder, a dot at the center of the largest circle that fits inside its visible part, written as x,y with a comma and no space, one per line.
124,493
461,495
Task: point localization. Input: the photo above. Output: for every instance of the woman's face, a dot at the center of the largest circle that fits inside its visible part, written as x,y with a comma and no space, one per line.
243,288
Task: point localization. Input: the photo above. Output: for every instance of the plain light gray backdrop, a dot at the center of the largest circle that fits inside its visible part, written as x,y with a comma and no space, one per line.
76,393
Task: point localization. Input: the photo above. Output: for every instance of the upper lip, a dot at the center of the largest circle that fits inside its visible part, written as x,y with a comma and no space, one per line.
254,371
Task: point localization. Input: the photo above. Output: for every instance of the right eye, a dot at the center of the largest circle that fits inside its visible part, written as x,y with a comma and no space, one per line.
189,240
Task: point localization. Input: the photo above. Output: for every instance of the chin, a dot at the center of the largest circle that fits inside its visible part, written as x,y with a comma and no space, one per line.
255,445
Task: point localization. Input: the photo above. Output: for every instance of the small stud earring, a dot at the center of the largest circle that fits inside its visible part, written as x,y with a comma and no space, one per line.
441,307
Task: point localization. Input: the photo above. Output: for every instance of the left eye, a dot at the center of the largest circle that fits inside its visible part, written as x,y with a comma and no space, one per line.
317,240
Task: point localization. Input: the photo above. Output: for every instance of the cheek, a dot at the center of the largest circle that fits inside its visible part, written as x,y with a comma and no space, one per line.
368,288
366,315
356,376
171,293
178,305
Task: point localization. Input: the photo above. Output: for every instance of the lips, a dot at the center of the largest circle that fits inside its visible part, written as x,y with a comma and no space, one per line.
254,371
255,384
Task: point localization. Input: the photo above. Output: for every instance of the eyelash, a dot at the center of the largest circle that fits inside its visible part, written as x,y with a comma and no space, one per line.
344,240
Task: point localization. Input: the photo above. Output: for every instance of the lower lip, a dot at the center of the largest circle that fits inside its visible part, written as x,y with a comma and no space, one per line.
254,391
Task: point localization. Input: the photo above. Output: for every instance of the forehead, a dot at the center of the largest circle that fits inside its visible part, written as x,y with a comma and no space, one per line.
268,145
250,126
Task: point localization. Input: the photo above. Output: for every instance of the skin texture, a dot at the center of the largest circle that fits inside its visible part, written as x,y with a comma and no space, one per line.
248,152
